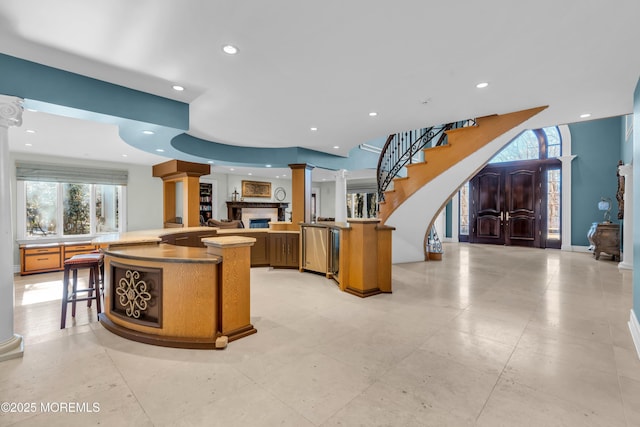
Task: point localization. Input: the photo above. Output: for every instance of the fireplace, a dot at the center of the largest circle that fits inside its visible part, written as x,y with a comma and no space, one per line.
234,209
259,222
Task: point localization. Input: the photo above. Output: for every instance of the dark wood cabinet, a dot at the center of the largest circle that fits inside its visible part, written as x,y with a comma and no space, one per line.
284,249
260,249
607,240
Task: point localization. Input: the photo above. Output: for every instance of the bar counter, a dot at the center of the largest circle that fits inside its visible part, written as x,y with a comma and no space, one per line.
177,296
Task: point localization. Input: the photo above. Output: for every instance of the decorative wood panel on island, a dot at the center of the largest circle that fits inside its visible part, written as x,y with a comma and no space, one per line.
177,296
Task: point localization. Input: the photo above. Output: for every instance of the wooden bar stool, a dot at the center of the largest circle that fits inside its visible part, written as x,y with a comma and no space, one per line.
95,263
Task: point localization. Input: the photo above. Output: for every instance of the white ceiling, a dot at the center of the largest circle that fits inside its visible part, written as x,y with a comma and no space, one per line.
328,65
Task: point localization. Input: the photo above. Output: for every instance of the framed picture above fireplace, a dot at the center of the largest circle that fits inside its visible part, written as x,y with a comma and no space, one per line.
256,189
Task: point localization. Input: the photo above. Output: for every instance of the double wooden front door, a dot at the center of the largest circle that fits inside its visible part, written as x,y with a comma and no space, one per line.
505,206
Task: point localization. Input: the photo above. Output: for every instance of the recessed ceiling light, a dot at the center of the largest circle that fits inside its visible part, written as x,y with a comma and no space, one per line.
277,176
373,114
585,115
210,162
268,166
249,173
148,132
30,131
28,145
482,85
336,147
124,155
231,169
159,150
178,88
284,174
229,49
314,129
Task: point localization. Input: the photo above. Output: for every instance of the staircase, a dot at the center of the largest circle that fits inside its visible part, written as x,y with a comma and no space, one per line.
445,169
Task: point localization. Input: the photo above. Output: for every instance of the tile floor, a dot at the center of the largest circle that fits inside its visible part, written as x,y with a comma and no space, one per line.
490,336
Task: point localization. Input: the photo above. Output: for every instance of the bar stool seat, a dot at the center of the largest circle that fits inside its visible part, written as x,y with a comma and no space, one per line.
95,263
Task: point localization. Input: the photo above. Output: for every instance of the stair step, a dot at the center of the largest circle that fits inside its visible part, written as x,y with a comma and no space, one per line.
441,158
435,149
458,130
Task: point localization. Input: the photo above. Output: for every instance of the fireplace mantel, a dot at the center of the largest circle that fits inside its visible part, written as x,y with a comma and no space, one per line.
234,209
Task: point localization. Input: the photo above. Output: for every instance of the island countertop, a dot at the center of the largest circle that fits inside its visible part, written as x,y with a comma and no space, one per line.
166,253
143,236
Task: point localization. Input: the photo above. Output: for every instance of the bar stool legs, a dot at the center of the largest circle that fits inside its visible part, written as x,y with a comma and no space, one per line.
94,263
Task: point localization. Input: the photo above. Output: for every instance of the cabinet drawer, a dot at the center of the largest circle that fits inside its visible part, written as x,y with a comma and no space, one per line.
70,251
39,251
79,248
42,262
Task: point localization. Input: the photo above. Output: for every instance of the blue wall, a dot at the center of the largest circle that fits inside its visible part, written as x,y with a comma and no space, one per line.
626,144
597,146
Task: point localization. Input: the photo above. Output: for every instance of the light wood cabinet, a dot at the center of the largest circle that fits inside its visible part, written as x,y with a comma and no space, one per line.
71,249
41,258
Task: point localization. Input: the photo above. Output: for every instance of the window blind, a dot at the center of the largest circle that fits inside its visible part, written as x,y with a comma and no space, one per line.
70,174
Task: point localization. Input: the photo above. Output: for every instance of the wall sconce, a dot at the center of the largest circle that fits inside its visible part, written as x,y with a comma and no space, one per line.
604,205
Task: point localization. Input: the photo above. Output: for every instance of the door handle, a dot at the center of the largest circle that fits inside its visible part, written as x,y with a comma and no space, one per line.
501,216
507,216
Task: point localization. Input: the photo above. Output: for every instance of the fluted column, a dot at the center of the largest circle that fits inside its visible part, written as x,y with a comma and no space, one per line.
627,223
341,196
11,345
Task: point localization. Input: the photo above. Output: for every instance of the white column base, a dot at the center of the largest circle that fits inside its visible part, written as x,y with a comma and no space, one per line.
634,327
13,348
624,265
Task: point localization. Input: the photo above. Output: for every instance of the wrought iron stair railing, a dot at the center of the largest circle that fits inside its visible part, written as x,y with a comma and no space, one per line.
401,149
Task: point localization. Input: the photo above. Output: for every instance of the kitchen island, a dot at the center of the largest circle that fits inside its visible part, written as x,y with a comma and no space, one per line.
177,296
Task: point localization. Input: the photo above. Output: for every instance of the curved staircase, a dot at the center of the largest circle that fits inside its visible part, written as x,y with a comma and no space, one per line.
416,199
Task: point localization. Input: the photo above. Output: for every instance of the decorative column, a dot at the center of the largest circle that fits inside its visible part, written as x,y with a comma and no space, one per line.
565,225
341,196
234,284
188,175
11,344
626,171
369,258
301,197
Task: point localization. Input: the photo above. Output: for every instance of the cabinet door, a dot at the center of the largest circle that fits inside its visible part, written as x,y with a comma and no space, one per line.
293,249
278,249
260,250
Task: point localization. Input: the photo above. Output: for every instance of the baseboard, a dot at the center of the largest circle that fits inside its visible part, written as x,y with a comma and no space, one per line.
634,327
580,249
16,269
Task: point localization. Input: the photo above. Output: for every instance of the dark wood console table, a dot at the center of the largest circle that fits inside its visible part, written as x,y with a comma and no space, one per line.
234,209
607,240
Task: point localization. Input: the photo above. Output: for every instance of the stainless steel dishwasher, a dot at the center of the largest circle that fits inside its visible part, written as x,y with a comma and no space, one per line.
314,249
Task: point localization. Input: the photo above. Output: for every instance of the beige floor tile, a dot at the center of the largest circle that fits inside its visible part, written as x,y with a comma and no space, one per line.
594,389
474,351
631,398
489,336
316,385
512,404
427,381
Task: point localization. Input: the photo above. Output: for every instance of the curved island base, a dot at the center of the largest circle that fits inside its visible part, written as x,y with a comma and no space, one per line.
178,296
